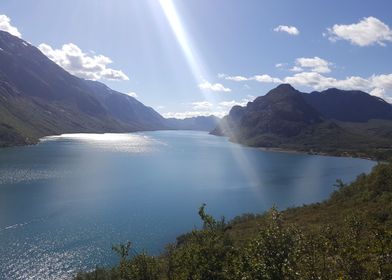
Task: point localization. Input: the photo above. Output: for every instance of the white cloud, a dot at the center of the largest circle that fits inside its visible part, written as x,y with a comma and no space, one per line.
5,25
265,79
259,78
320,82
382,86
292,30
227,105
296,69
202,105
379,85
221,75
236,78
199,108
213,87
132,94
205,108
279,65
368,31
382,81
314,64
230,104
191,114
74,60
379,92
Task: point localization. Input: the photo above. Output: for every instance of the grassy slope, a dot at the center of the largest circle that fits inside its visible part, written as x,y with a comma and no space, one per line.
369,196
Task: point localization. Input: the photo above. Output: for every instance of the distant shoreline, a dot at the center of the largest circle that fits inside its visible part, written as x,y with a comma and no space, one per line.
348,154
342,153
293,151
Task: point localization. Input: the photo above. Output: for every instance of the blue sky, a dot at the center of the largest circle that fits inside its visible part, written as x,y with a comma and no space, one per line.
197,57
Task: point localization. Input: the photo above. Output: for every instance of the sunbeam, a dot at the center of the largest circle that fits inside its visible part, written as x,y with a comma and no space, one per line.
199,74
178,29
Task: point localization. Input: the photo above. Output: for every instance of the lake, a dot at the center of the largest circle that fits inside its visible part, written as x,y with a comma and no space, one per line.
65,201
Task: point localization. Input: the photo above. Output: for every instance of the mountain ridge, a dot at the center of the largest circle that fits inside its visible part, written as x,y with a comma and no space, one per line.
39,98
349,105
202,123
288,119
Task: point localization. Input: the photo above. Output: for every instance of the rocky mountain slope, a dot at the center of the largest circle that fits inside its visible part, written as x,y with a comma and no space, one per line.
332,121
38,98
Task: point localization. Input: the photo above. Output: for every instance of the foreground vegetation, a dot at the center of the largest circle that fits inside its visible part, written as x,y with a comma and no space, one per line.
349,236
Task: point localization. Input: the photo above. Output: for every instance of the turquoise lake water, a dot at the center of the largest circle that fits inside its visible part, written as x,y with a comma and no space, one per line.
65,201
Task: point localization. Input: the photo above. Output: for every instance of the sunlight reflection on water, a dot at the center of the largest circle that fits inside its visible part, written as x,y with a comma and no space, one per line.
128,143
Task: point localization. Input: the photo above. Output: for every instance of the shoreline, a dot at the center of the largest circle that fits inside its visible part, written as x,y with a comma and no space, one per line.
342,153
313,153
366,155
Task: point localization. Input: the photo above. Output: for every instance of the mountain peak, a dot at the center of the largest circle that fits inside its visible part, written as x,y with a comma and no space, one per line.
282,89
285,87
282,111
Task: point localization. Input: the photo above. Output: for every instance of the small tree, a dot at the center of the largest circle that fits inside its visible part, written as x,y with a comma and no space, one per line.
273,254
122,251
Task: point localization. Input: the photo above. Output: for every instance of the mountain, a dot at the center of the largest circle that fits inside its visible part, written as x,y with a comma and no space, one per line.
203,123
289,119
282,111
39,98
349,105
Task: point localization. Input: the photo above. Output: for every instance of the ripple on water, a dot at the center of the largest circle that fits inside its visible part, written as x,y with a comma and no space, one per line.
43,257
17,175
